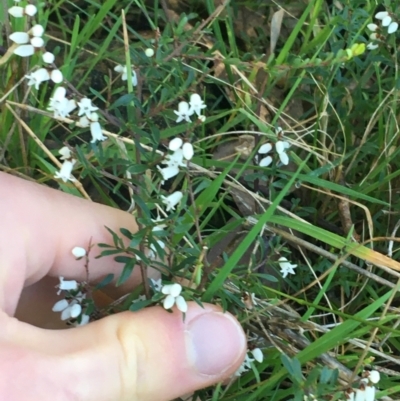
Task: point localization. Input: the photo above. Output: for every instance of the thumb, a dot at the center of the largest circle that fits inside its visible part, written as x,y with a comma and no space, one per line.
147,355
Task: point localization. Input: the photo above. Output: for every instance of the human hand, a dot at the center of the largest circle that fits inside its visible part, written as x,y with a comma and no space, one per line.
147,355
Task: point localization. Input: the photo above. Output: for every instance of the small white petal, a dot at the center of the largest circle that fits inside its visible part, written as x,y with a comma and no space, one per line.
387,20
16,11
37,77
373,36
284,158
266,161
19,38
149,52
30,10
48,58
94,117
184,112
372,27
86,107
169,302
381,15
84,122
196,104
37,30
265,148
280,146
202,118
79,252
120,68
24,50
374,376
258,355
66,313
393,27
67,285
59,94
157,284
84,320
166,289
187,150
60,305
65,153
175,290
75,310
175,144
181,304
56,76
360,395
37,42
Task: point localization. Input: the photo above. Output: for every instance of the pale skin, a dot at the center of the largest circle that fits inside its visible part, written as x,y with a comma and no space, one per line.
148,355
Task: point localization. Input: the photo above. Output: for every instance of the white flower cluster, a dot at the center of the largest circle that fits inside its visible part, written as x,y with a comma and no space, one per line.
186,110
31,41
71,308
386,21
174,297
256,355
182,152
65,173
280,148
286,267
366,391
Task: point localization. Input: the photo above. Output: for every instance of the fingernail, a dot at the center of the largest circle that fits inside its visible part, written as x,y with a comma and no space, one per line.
215,341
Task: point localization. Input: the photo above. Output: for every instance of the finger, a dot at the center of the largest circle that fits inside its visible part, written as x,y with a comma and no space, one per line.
39,228
144,356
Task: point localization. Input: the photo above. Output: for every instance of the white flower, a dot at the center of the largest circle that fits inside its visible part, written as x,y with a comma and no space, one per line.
37,30
67,285
393,27
286,267
30,10
19,38
168,172
60,105
360,395
78,252
68,311
196,104
176,159
16,11
86,107
281,147
202,118
96,131
372,27
65,153
37,77
56,76
381,15
373,36
24,50
184,112
172,200
245,366
173,297
257,354
66,170
374,376
175,144
48,58
157,284
122,69
149,52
